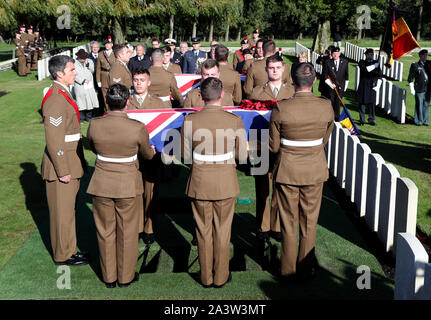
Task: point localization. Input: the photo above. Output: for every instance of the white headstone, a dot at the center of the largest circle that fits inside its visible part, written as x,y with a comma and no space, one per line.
334,148
406,205
410,267
388,97
342,154
388,188
362,155
357,77
375,162
352,143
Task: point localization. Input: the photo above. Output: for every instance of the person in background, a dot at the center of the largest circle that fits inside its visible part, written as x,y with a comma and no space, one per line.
248,56
86,97
105,62
175,56
139,61
239,55
155,43
369,83
420,86
211,53
194,58
120,73
168,65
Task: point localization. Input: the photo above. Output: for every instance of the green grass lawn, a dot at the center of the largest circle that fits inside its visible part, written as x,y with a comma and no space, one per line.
27,271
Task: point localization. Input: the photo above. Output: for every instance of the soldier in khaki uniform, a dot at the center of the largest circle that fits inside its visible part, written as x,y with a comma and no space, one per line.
163,83
238,56
258,55
30,46
115,185
141,99
256,73
25,41
39,47
213,183
63,161
229,77
210,68
105,62
21,55
299,130
168,65
267,217
120,73
252,42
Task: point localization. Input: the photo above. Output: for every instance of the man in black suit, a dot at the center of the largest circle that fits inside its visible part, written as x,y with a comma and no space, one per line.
155,43
139,61
420,86
369,83
322,60
335,74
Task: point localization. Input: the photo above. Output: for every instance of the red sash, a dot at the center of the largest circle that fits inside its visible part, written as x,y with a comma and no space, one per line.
240,54
74,105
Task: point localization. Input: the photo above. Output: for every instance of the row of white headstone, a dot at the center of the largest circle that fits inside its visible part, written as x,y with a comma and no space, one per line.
390,97
358,53
388,203
42,65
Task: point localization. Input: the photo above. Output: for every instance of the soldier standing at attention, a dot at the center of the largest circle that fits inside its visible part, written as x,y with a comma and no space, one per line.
104,64
63,162
370,81
420,86
299,130
163,83
168,65
115,185
193,59
256,73
213,183
229,77
21,55
267,217
120,73
210,68
139,100
239,56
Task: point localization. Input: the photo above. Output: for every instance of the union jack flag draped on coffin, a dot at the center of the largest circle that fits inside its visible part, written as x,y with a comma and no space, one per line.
160,122
188,82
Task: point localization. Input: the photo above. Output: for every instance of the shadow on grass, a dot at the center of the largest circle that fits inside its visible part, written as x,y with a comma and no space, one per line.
35,194
327,285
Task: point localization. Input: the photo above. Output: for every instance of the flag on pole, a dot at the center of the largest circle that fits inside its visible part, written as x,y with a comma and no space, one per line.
347,122
397,38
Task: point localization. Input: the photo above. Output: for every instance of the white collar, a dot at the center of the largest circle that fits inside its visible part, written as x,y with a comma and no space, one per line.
65,87
166,66
108,52
124,63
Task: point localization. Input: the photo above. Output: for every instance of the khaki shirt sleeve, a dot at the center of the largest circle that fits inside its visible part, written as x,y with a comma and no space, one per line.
176,94
241,153
144,144
186,149
55,122
237,91
274,130
249,82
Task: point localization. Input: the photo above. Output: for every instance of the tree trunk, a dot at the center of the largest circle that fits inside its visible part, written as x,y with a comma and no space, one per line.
300,36
226,37
359,34
1,39
210,38
171,27
118,31
238,38
421,11
194,29
321,40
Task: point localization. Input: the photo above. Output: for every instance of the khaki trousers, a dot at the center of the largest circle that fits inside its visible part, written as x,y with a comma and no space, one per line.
61,199
22,66
267,216
117,234
297,203
213,230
